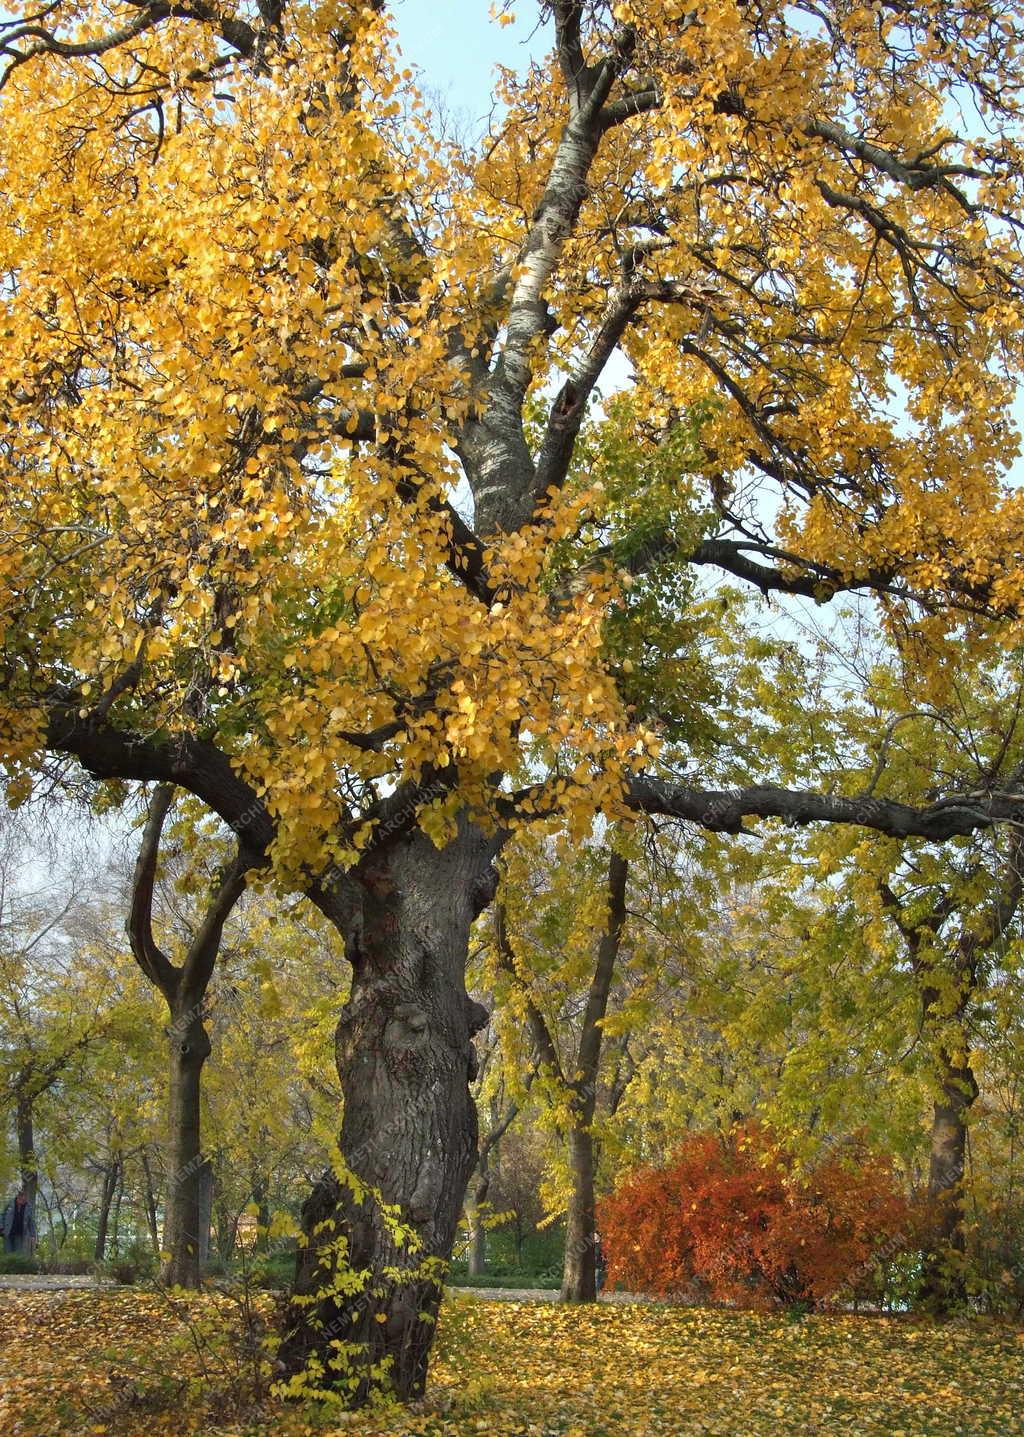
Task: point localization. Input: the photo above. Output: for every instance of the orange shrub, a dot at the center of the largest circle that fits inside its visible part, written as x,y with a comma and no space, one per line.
730,1220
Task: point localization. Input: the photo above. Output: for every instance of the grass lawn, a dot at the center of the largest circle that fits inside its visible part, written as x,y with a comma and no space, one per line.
125,1362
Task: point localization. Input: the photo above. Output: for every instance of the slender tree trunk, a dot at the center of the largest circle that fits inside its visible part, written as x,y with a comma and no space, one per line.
405,1058
184,990
205,1212
943,1289
261,1197
579,1271
106,1201
482,1185
149,1194
115,1229
477,1231
190,1047
61,1219
227,1229
24,1122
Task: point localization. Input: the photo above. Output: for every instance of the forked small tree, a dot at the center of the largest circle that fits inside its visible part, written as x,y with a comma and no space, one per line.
184,989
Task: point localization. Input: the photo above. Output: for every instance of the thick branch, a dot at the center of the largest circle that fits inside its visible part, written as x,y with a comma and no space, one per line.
108,752
723,811
157,967
568,44
202,954
568,410
502,470
234,32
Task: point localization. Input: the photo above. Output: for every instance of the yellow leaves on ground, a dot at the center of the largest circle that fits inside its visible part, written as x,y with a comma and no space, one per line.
120,1362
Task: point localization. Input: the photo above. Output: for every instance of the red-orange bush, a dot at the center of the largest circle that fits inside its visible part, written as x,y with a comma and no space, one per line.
731,1220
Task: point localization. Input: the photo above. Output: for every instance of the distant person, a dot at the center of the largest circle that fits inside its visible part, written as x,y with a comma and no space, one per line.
18,1226
600,1265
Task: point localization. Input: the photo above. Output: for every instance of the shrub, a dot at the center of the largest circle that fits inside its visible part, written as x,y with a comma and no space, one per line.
732,1220
17,1263
68,1266
993,1265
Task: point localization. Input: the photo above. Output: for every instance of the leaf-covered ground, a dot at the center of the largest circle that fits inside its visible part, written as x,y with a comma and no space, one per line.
124,1362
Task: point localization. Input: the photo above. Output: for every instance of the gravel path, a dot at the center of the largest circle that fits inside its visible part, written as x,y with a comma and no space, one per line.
60,1282
49,1281
538,1294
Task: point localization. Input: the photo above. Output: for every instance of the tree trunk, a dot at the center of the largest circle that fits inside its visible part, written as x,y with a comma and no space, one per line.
190,1047
205,1212
115,1227
261,1197
24,1122
579,1271
184,990
227,1230
477,1232
106,1199
61,1219
405,1058
943,1289
150,1202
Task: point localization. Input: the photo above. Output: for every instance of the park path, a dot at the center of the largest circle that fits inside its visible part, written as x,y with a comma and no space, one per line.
538,1294
61,1282
49,1281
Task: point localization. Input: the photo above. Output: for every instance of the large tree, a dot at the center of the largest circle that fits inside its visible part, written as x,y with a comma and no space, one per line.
292,393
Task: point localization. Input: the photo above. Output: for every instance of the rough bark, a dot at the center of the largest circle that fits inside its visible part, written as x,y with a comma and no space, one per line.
405,1059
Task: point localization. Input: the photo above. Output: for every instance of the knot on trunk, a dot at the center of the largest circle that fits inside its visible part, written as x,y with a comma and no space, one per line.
476,1015
484,889
406,1034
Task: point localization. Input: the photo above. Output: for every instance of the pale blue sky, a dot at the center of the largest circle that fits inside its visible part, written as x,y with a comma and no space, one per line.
456,45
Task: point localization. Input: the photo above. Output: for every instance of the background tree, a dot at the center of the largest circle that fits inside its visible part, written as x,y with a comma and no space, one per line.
555,954
183,987
954,912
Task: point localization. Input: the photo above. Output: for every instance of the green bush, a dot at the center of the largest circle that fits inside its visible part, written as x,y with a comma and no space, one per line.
274,1270
16,1262
526,1280
67,1266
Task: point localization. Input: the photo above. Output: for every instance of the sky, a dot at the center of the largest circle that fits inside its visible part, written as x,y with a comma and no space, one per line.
456,45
